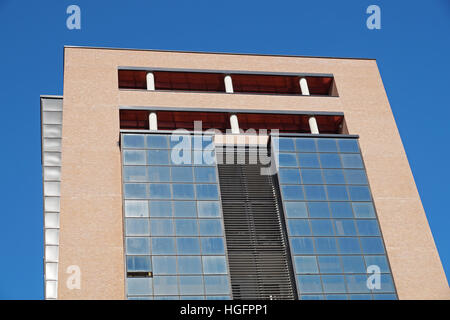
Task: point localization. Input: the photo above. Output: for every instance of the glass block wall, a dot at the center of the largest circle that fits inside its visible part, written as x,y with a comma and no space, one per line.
174,236
331,221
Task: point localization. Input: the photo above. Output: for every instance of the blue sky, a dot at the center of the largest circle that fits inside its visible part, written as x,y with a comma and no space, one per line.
412,47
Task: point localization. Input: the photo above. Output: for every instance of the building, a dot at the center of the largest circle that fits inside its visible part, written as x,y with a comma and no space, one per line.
129,215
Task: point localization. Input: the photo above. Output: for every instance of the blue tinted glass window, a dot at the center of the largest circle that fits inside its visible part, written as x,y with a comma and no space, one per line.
158,157
356,283
330,160
286,144
372,245
214,264
311,297
292,192
363,210
334,176
312,176
315,192
386,284
308,160
349,246
158,174
136,208
384,297
337,193
133,157
368,228
138,286
302,245
348,145
289,176
359,193
156,141
208,209
137,227
184,209
305,145
133,141
138,245
321,227
159,191
188,246
205,174
183,191
160,208
165,285
345,227
355,176
329,264
161,227
182,174
336,297
333,283
164,265
352,161
309,284
207,192
299,227
135,190
191,285
216,285
189,265
318,210
305,264
213,246
326,145
186,227
163,245
287,160
139,263
341,210
379,261
135,174
325,245
210,227
353,264
360,297
295,209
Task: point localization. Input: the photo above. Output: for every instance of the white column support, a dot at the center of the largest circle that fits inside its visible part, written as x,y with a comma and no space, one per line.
313,125
228,84
150,81
304,87
153,121
234,124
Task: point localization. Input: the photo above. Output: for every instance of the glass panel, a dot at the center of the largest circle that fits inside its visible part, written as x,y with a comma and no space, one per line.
207,192
287,160
349,245
305,145
135,208
359,193
353,264
341,210
326,145
133,141
208,209
384,297
139,263
182,174
318,210
135,173
289,176
188,246
210,227
325,245
135,190
348,145
329,264
334,176
295,210
183,191
330,160
337,193
333,284
345,227
191,285
312,176
133,157
356,283
322,227
189,265
372,245
159,191
363,210
299,227
286,144
186,227
336,297
205,174
213,246
308,160
315,192
379,261
216,285
158,174
309,284
214,264
139,286
138,245
305,264
137,227
352,161
160,208
163,245
292,192
158,157
355,176
368,227
311,297
360,297
184,209
161,227
165,285
156,141
302,245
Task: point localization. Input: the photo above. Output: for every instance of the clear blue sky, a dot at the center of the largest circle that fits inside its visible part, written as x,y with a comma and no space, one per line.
413,45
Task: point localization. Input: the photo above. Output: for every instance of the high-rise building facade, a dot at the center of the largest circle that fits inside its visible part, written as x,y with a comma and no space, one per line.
181,175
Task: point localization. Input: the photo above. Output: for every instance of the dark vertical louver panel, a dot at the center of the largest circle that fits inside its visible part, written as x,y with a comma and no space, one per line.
260,266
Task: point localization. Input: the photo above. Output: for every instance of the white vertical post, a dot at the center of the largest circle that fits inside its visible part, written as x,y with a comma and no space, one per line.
228,84
150,81
234,124
304,87
153,121
313,125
